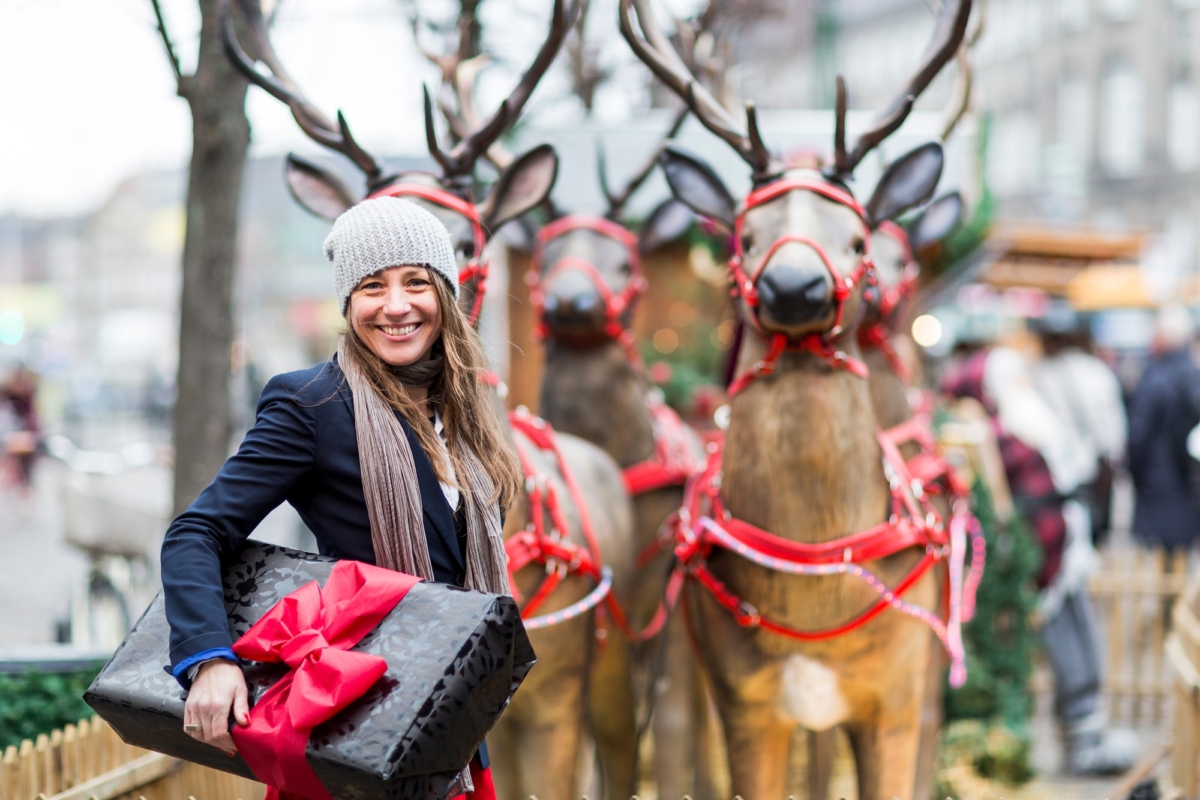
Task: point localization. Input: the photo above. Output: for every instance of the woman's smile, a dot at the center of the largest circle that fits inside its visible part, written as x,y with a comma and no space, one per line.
399,332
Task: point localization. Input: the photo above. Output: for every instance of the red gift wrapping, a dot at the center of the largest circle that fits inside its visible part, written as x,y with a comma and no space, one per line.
312,630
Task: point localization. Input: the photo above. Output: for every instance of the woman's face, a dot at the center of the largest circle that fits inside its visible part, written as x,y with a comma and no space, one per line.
396,314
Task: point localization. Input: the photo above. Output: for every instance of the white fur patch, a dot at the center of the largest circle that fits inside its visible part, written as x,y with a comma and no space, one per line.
810,694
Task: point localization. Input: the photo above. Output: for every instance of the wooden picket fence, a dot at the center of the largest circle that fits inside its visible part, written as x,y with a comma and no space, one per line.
88,761
1183,654
1133,594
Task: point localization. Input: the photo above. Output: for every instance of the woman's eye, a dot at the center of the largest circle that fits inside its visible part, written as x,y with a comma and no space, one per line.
372,286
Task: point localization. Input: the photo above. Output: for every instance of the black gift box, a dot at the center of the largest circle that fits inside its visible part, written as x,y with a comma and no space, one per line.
454,656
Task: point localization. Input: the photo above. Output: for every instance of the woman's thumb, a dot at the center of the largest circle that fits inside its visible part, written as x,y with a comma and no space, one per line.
241,709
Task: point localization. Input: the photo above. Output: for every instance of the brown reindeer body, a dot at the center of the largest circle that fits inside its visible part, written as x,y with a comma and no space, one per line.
802,460
536,744
597,394
593,386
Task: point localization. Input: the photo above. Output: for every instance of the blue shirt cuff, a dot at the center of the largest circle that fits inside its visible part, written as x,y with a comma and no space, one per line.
181,669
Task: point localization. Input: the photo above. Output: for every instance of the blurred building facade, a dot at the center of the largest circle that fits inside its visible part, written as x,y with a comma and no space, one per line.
1093,104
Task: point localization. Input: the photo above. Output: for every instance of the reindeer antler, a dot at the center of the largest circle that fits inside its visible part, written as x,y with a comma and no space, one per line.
616,202
963,86
460,161
655,51
459,73
280,85
947,36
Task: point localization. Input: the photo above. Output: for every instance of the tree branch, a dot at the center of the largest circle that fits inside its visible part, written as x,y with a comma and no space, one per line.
166,38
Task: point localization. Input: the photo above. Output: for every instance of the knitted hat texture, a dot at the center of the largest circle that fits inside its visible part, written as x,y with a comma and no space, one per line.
387,232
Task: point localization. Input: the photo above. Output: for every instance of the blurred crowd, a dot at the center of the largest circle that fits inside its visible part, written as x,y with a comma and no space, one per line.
1065,426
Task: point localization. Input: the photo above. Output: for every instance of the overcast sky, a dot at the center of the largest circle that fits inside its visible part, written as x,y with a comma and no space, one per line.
87,96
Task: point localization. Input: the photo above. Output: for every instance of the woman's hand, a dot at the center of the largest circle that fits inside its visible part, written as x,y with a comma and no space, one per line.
219,688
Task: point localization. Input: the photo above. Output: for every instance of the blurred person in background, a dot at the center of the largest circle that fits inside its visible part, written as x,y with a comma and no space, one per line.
1086,395
1046,463
1162,412
19,427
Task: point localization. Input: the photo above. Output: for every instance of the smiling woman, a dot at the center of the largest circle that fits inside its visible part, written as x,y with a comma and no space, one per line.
391,453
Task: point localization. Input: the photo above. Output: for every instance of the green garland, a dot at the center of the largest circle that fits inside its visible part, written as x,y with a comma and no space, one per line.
999,641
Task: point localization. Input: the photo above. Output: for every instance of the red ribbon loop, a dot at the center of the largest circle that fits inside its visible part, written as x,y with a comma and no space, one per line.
312,630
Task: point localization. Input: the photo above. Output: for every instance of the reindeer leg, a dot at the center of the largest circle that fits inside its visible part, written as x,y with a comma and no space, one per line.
931,720
612,710
885,744
678,761
822,746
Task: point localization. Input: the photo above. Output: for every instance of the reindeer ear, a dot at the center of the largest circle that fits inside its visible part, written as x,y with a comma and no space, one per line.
697,185
522,187
936,222
909,181
666,224
317,189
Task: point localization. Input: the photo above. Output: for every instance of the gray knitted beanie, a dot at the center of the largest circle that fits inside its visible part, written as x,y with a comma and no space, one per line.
387,232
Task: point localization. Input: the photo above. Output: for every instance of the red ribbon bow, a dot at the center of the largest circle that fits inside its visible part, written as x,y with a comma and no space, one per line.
312,630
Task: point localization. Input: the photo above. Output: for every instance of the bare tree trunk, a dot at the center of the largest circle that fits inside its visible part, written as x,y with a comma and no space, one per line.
216,94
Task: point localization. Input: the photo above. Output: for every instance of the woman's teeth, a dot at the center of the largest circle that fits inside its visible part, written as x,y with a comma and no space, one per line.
402,330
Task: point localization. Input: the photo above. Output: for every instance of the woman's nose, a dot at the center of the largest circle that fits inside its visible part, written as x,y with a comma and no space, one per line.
397,303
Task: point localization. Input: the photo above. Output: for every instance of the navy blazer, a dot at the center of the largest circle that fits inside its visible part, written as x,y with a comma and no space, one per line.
302,449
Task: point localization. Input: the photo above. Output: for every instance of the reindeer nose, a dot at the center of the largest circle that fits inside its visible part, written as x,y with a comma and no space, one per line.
574,303
794,295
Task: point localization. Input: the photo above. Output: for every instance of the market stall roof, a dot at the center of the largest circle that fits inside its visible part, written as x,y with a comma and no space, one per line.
1094,269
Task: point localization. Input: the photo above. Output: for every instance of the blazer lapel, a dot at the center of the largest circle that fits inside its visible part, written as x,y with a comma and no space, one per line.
433,501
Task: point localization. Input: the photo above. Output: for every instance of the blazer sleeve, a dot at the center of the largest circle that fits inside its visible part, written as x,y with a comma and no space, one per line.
276,454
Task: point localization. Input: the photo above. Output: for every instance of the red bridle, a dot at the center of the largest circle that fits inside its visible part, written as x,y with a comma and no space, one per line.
477,266
823,345
615,303
879,333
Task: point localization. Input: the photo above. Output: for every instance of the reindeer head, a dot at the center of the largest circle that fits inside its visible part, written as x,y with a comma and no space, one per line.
524,184
587,270
802,241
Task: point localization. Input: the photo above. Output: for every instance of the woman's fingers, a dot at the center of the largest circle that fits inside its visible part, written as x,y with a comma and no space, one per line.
241,705
218,689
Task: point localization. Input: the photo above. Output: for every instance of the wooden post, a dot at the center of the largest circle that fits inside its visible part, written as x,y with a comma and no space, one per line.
29,774
11,782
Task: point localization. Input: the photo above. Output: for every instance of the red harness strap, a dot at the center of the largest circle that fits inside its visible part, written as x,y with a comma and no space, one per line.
703,523
477,266
878,335
823,345
672,463
546,544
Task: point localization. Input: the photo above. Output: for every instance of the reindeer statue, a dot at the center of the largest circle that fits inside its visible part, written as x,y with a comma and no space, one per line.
571,541
586,278
800,471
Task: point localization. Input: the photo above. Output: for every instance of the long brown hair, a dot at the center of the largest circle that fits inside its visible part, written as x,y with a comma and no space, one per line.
468,413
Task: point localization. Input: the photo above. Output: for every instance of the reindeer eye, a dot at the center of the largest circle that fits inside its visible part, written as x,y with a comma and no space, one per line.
467,249
860,246
748,245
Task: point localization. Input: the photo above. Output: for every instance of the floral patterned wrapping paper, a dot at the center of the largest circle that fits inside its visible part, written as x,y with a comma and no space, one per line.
455,658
